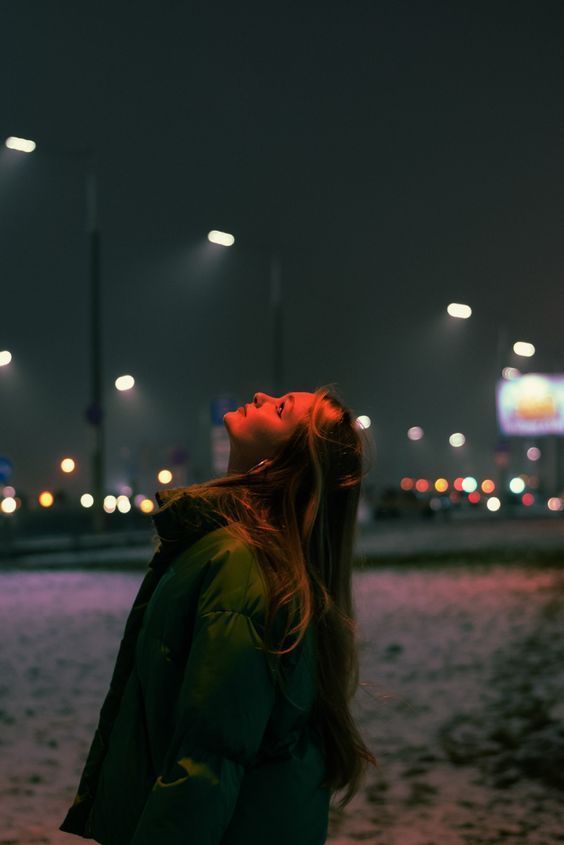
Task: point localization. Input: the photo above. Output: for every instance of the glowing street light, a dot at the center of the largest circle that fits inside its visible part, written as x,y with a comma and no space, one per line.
164,476
68,465
124,382
5,357
523,348
457,439
458,309
221,238
22,145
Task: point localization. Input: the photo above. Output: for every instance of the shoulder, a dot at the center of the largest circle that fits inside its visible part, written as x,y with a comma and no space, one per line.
230,576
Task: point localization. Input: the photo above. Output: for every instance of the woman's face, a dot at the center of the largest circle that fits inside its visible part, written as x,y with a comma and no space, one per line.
257,429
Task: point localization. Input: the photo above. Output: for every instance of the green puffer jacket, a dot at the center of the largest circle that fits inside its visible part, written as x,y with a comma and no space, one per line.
203,738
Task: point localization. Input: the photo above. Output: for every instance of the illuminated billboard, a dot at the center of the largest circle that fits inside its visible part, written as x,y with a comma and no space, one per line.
531,405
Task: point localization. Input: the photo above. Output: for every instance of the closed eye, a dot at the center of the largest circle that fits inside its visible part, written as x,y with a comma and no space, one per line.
281,405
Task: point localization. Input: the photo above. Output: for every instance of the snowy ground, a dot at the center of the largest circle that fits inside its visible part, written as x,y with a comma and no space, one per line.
464,708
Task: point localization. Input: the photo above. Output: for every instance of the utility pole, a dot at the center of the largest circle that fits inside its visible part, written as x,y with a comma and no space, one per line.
95,411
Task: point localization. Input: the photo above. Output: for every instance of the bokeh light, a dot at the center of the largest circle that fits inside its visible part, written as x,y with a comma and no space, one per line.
487,485
517,485
528,499
415,432
87,500
5,357
469,484
123,504
555,504
9,490
441,485
8,505
67,465
510,373
457,439
493,503
422,485
164,476
533,453
407,483
474,497
457,484
109,504
146,505
45,499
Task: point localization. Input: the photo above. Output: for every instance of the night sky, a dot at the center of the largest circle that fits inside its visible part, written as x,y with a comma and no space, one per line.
397,155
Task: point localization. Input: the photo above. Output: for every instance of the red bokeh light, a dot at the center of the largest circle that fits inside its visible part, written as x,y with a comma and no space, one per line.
421,485
457,484
474,497
528,499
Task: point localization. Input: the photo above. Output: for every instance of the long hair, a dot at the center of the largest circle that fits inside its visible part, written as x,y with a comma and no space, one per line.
297,511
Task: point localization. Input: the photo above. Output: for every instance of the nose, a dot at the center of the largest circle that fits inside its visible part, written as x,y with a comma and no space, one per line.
259,398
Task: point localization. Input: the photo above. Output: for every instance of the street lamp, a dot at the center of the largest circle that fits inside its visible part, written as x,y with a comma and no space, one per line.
22,145
94,412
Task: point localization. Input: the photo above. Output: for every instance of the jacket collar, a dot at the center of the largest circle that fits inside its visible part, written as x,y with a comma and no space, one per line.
180,525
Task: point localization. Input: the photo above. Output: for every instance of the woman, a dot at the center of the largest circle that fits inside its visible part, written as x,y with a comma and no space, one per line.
227,719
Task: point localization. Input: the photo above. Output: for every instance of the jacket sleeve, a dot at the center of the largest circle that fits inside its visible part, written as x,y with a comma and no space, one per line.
225,701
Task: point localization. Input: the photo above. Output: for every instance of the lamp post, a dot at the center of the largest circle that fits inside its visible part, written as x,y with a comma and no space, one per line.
95,411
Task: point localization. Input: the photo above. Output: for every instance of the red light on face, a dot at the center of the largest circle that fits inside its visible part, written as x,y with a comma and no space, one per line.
406,483
528,499
421,485
474,497
457,484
